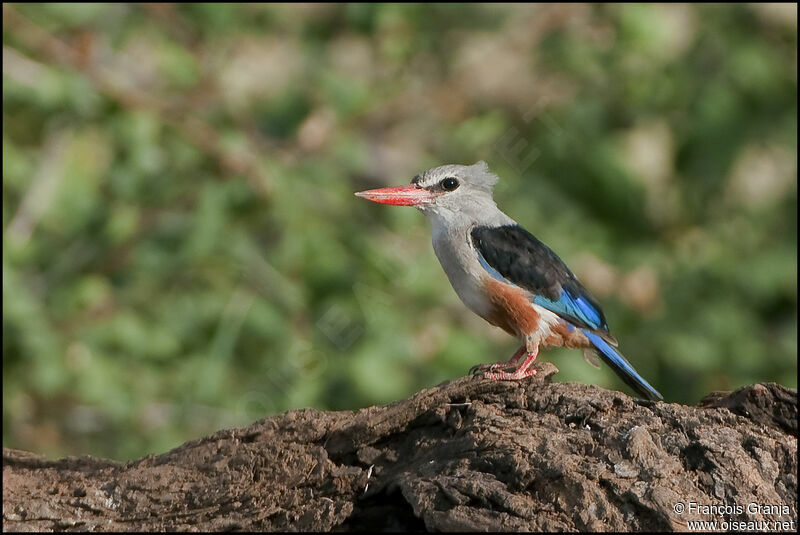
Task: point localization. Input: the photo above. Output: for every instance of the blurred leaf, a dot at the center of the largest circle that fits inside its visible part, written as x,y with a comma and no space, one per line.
183,251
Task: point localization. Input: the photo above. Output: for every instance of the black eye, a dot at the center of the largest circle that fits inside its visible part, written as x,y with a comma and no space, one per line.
449,184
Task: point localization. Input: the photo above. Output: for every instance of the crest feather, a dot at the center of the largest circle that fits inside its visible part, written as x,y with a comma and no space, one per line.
481,176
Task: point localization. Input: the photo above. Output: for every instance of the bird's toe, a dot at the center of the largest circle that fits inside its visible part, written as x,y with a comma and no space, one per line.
510,376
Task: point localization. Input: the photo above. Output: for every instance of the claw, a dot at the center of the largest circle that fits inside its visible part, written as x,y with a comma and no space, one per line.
478,368
511,363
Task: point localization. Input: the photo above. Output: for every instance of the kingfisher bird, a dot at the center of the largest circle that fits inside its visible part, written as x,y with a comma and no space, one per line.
505,275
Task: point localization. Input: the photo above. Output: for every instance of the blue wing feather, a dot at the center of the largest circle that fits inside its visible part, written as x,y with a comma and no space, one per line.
512,255
571,306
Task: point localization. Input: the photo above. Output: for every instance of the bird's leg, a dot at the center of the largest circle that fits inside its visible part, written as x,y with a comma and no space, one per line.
522,371
511,362
508,364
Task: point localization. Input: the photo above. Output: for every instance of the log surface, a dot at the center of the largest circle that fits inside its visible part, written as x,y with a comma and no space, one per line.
469,454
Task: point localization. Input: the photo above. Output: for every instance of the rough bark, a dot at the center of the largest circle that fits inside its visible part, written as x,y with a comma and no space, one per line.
469,454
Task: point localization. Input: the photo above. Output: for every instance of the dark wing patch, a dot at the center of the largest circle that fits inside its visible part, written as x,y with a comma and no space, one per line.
521,259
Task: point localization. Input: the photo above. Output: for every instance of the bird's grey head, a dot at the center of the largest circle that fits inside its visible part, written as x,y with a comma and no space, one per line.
457,190
452,196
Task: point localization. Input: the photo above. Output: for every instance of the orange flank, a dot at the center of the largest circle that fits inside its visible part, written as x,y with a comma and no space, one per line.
513,312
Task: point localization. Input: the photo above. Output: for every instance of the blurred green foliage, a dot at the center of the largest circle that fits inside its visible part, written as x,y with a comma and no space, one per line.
183,252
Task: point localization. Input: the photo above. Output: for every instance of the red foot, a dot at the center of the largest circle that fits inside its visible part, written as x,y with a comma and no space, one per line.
503,365
520,373
514,376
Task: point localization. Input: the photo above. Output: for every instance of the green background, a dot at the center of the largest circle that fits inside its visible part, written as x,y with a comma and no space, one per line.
182,250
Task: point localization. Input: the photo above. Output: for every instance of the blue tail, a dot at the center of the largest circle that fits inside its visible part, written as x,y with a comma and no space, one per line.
621,367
